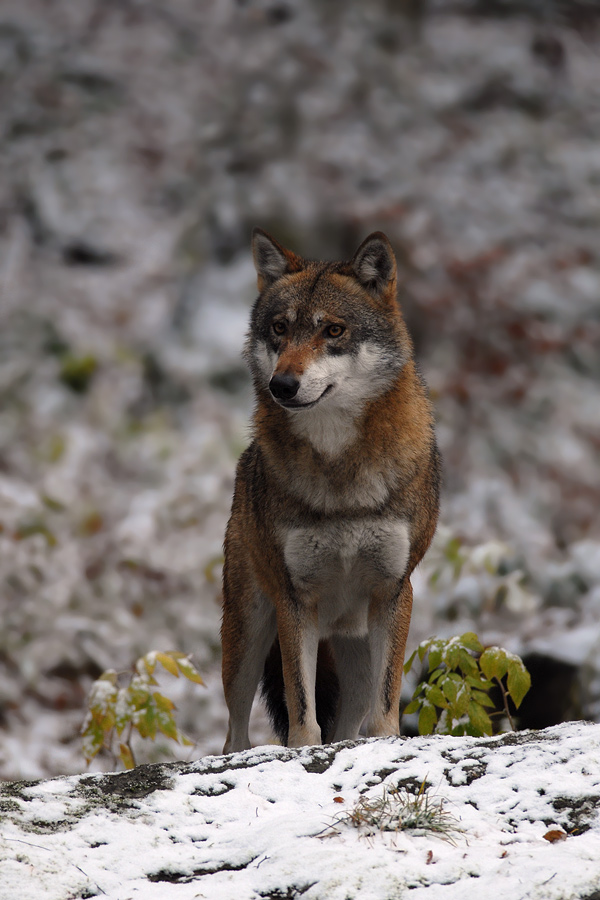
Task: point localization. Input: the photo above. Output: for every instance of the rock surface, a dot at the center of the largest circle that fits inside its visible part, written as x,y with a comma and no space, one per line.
521,816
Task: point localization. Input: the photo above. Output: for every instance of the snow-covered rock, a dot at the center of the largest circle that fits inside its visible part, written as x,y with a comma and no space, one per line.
521,809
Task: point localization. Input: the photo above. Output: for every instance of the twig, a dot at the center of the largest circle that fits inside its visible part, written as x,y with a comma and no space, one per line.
88,877
29,844
505,701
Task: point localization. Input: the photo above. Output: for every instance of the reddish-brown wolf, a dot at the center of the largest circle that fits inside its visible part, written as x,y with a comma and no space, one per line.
336,500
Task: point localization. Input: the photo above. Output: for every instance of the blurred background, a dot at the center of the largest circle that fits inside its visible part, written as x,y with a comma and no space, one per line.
140,141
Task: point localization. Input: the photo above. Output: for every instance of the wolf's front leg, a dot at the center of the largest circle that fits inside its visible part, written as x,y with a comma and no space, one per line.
298,628
247,633
389,621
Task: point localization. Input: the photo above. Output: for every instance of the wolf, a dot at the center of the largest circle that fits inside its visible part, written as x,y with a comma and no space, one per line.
335,502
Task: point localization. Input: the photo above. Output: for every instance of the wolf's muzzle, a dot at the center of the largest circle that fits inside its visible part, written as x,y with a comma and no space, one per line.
284,387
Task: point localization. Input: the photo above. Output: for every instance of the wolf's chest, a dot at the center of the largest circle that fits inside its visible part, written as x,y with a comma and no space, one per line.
341,564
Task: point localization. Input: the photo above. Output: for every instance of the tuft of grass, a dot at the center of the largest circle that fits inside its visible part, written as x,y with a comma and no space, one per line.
397,809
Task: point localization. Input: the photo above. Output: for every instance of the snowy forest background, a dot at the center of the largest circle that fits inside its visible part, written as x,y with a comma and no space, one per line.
139,143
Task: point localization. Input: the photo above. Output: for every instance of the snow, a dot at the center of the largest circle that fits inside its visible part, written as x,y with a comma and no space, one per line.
269,823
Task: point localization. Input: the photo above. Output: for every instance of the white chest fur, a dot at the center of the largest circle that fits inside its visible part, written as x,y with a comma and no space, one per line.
341,563
330,431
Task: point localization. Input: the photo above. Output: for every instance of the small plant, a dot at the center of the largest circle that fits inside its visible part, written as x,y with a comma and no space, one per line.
397,809
114,711
455,698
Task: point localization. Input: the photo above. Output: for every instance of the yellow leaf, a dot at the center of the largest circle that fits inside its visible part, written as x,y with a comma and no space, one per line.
126,756
190,671
168,663
165,704
147,662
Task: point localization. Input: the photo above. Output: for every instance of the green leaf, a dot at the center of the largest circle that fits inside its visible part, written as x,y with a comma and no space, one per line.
463,698
123,710
146,721
518,681
479,718
164,718
412,707
493,662
470,641
423,648
93,738
435,658
461,728
435,696
168,727
450,689
138,693
409,663
466,663
452,655
479,682
483,699
471,730
427,719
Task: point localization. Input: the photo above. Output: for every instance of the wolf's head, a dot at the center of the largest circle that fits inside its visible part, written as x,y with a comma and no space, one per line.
325,335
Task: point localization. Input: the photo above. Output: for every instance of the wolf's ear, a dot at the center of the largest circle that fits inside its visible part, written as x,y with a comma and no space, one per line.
271,260
374,264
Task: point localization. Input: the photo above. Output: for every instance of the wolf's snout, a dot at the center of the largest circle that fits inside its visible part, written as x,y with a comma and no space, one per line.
284,387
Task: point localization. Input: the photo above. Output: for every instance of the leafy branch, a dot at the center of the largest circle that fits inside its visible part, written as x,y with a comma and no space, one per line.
114,712
455,697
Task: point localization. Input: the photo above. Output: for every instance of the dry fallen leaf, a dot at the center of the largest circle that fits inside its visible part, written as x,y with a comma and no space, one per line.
554,835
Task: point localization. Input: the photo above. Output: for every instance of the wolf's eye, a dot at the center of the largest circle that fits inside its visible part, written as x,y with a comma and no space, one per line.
334,330
279,328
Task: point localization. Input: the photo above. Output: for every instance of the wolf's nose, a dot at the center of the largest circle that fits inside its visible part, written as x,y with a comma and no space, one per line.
284,387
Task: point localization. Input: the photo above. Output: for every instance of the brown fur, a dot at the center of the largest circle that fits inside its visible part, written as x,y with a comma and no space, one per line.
291,489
